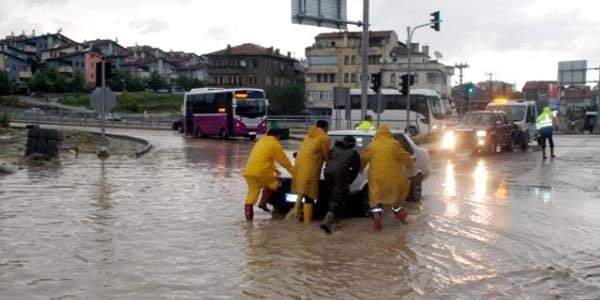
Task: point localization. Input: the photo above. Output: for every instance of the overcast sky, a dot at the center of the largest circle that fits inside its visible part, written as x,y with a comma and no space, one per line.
518,40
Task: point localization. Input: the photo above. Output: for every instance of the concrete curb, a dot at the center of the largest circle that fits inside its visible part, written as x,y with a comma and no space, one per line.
147,145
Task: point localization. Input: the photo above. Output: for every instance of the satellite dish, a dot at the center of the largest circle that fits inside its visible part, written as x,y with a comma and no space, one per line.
438,54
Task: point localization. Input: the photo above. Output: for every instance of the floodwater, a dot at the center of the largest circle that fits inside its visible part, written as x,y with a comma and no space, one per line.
170,225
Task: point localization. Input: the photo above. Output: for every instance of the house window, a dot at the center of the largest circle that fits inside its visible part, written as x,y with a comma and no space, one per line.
331,77
393,78
346,77
431,77
353,60
322,60
240,80
353,78
319,77
346,59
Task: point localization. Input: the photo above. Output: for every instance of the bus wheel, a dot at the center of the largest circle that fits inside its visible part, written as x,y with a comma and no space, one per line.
224,134
198,132
412,131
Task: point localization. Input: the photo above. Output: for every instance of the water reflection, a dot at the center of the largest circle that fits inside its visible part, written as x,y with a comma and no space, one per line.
449,180
501,191
480,177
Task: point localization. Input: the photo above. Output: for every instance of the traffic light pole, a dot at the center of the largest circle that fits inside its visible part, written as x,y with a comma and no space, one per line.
410,33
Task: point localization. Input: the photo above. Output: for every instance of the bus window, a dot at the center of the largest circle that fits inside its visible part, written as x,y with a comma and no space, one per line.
437,107
220,101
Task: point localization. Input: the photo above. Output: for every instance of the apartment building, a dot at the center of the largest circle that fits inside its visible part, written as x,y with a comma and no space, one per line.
335,60
251,65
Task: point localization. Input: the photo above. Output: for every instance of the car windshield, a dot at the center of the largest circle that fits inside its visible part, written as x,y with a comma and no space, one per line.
361,141
513,112
470,119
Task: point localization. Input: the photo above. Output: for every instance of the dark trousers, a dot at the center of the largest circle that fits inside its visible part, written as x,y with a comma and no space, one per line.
546,133
339,191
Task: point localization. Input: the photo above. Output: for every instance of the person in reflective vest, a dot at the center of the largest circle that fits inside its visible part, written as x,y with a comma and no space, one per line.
366,124
545,127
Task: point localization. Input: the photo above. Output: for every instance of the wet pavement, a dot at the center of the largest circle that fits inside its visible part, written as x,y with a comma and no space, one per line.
169,225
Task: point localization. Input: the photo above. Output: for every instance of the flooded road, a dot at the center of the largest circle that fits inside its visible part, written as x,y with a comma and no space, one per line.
170,225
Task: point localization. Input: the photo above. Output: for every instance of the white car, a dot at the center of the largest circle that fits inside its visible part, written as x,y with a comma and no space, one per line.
283,199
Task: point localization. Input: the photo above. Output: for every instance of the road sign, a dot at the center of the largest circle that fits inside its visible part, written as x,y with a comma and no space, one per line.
96,100
572,72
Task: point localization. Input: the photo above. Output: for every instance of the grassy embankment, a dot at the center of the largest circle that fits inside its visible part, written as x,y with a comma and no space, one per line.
133,102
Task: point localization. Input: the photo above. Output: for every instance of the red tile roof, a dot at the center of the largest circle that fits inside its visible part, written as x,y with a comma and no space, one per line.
248,49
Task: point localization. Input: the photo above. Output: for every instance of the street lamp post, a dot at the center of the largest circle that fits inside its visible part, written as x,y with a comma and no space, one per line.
435,25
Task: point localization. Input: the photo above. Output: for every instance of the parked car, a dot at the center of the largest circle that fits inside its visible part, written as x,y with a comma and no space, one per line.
283,199
177,125
481,131
114,117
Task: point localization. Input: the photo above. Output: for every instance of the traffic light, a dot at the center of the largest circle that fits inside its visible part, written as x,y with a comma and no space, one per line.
435,20
376,82
469,89
407,81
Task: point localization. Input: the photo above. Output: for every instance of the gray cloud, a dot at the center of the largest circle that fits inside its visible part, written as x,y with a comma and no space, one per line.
149,26
469,26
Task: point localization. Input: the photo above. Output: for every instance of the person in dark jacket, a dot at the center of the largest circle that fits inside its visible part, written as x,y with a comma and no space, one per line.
342,168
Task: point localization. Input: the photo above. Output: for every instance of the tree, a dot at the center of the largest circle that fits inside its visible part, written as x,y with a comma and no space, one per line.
291,99
5,85
189,83
77,83
156,82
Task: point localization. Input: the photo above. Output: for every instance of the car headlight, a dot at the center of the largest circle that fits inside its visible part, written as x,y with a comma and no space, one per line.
449,140
481,133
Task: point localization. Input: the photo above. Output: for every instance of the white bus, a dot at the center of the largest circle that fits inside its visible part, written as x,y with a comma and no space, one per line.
428,112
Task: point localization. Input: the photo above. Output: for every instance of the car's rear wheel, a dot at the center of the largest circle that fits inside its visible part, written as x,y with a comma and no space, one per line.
416,189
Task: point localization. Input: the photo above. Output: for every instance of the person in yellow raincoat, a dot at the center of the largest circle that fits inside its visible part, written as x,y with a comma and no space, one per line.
389,165
261,173
313,152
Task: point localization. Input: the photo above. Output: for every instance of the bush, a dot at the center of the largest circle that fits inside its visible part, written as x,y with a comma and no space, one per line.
4,119
9,101
81,100
151,102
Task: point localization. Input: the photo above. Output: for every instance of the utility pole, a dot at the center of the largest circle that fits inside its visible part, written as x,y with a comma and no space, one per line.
365,61
491,86
461,66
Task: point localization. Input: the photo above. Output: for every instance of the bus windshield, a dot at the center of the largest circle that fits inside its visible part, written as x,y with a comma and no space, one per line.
438,110
513,112
251,108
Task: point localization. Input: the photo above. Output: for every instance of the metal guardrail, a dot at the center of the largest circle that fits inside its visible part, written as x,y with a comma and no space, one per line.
300,122
63,117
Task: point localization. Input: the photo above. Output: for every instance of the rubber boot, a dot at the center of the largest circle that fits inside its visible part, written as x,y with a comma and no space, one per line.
249,211
376,214
308,211
327,224
552,152
264,198
401,214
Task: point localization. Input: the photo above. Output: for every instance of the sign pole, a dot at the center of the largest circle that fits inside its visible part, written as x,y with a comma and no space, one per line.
103,152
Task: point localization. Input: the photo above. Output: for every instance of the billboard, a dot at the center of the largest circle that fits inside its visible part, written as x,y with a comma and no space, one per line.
572,72
321,13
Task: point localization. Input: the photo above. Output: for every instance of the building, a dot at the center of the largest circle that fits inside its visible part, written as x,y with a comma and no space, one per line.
189,65
429,73
335,60
251,65
144,67
34,45
14,63
85,61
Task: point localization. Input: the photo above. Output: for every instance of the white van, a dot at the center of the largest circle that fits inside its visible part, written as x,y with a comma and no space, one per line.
523,114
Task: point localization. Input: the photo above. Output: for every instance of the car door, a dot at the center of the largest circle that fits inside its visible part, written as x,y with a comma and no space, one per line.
408,147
